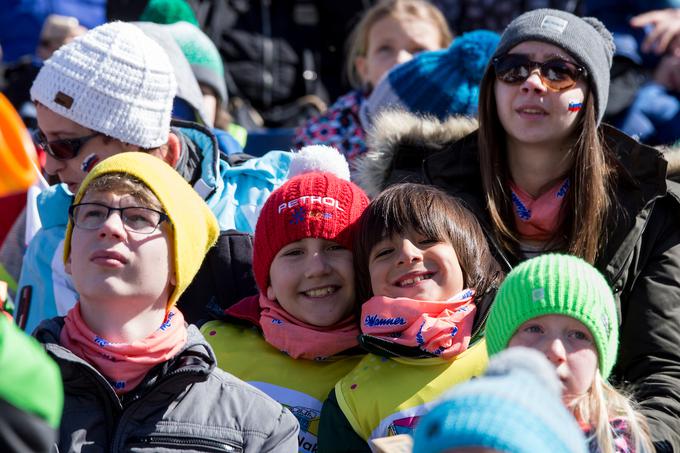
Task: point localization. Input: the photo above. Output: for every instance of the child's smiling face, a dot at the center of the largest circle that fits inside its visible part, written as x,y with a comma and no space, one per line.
313,280
415,267
568,344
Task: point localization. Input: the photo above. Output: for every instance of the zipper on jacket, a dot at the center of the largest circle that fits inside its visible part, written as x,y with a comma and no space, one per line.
182,443
618,291
138,398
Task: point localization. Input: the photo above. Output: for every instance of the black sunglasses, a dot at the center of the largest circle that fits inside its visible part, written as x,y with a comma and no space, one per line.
63,149
556,74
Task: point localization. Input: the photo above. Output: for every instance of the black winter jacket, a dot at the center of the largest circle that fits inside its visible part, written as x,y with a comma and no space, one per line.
185,404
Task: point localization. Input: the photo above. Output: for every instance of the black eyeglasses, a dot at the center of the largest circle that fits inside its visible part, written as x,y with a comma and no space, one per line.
556,74
90,216
64,149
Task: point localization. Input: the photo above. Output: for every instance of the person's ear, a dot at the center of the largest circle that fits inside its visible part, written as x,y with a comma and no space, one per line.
270,293
170,152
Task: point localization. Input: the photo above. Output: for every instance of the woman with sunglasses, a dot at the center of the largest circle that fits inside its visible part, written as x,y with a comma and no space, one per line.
543,174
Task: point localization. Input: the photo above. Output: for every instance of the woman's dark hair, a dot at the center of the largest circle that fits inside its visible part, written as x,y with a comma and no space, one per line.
589,199
434,214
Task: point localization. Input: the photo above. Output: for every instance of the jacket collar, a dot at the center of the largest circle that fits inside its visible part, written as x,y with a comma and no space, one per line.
199,160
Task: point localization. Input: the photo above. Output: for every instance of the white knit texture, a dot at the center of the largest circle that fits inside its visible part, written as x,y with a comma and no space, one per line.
121,82
319,158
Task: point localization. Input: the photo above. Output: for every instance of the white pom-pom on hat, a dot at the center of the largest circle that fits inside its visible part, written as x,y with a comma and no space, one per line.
319,158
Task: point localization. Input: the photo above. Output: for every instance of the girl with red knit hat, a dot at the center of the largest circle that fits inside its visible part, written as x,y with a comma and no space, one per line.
298,336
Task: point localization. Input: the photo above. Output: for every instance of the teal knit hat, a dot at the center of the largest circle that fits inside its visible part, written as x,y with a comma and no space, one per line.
168,12
203,56
556,284
515,407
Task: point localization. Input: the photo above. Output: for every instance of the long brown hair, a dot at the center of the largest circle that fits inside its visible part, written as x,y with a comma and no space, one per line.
589,199
434,214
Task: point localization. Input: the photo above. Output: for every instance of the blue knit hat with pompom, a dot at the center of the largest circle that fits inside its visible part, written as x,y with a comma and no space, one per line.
515,407
439,83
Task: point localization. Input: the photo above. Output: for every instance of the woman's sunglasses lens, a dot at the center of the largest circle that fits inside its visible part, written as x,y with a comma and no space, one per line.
559,75
61,150
556,74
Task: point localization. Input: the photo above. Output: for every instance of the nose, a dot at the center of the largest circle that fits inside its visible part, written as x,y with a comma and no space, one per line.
555,351
112,226
52,165
408,253
317,265
534,83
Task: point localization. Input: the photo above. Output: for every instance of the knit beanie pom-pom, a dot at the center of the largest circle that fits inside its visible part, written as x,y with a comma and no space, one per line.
319,158
473,51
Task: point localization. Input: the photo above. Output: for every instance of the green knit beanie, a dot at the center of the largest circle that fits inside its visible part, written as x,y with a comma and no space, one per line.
202,55
556,284
168,12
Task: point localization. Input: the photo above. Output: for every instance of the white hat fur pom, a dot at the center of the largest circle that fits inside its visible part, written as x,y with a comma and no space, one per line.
319,158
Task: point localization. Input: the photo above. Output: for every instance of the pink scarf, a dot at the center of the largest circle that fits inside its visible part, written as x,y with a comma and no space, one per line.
124,364
301,340
539,218
440,328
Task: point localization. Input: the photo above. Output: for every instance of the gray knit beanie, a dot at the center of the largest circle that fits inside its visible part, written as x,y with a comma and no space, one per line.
585,38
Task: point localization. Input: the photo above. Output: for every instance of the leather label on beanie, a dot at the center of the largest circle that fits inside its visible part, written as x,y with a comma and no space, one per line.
310,200
555,24
63,99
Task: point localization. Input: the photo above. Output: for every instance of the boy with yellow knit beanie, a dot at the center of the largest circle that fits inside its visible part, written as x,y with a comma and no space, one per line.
136,236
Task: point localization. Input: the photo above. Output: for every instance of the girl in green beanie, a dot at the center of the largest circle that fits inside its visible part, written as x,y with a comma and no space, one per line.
563,307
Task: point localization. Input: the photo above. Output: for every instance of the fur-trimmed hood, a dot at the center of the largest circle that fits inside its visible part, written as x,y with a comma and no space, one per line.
414,137
400,141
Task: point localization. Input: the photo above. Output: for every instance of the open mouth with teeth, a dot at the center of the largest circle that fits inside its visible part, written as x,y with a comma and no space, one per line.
321,292
413,280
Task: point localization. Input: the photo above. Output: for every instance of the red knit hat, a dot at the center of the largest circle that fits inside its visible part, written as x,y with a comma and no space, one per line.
310,205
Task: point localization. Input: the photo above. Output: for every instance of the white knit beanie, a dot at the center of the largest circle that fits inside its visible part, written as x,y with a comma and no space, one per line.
114,80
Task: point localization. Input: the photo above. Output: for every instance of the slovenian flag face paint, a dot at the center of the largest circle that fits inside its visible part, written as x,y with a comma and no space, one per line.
575,106
89,162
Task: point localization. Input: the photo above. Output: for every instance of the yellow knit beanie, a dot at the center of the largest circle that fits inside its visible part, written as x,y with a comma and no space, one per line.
194,225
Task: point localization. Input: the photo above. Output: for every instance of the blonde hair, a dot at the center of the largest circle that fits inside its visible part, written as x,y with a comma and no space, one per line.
124,184
357,44
603,403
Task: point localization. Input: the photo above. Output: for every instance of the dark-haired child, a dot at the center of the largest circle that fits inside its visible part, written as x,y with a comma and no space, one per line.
427,278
